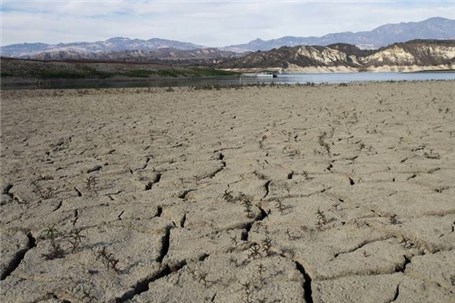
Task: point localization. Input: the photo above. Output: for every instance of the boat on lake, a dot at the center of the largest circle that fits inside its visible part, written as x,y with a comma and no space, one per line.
266,75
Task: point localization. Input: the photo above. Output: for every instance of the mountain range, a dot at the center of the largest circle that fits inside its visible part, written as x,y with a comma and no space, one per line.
416,55
433,28
117,44
128,49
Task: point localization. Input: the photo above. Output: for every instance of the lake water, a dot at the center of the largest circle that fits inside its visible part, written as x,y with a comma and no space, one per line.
243,80
356,77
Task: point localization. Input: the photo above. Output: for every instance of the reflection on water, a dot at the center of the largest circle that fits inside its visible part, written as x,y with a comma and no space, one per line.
202,82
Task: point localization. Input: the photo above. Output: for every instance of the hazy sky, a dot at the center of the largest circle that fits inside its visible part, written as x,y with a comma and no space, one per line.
210,23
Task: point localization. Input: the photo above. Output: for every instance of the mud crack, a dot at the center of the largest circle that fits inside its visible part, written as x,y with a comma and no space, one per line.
402,267
397,293
18,257
165,243
148,186
182,195
59,205
182,221
94,169
147,160
111,195
246,231
360,245
216,171
159,211
79,193
307,291
120,215
76,217
247,227
143,285
7,191
155,180
267,188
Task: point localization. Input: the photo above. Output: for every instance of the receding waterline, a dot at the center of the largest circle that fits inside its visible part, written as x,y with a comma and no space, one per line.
303,78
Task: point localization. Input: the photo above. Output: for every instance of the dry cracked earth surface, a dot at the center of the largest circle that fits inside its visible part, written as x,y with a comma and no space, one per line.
260,194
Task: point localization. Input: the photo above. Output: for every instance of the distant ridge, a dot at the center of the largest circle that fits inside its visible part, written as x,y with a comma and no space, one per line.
117,44
433,28
170,54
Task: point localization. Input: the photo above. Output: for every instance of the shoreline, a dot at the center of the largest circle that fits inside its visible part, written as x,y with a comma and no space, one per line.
197,82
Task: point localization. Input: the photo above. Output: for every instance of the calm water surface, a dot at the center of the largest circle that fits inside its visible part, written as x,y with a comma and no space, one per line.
360,77
356,77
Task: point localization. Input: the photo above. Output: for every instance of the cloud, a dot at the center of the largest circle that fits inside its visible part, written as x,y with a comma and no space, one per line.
212,23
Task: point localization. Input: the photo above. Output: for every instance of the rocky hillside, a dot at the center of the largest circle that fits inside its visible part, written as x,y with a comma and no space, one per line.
286,57
343,57
417,52
133,55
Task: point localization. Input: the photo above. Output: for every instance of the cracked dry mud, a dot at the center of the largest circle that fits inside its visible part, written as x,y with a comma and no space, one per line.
259,194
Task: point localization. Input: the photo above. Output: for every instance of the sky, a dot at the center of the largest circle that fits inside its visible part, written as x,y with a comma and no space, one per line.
210,23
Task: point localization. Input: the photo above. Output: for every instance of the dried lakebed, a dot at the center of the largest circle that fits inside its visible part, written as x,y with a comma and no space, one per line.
257,194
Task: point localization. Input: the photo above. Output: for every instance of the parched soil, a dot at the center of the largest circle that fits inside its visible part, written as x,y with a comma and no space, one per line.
259,194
